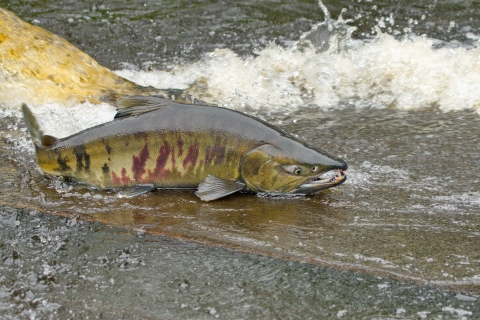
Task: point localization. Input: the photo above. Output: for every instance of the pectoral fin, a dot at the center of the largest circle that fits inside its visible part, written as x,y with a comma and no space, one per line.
214,188
136,190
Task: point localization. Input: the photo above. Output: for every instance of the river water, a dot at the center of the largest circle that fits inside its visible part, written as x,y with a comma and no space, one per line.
394,89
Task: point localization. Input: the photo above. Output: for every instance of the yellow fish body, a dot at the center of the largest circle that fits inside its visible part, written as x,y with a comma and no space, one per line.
157,144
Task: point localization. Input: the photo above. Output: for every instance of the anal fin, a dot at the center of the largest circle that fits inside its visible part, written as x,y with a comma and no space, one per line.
214,188
136,190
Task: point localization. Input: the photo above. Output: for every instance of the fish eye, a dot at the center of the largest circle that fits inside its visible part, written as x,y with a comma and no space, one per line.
315,168
293,169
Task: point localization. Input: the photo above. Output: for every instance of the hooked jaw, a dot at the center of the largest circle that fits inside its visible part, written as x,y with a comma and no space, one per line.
323,181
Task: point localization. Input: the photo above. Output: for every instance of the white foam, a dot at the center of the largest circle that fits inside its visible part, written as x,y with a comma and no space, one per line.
380,73
455,311
58,121
386,72
374,259
7,111
472,198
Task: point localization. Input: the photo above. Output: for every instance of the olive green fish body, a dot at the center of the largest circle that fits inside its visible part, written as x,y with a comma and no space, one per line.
157,147
183,146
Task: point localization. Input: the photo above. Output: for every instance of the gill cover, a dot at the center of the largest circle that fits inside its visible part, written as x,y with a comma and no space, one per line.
262,170
269,168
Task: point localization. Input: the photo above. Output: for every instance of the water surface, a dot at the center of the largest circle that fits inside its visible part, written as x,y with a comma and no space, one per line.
400,108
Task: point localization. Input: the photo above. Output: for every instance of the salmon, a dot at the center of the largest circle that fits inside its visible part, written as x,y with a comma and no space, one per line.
154,143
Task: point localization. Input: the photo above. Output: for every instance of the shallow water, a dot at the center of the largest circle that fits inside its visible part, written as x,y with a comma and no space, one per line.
409,210
400,213
68,268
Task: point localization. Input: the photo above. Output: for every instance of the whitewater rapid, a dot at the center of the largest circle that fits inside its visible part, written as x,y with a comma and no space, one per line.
383,73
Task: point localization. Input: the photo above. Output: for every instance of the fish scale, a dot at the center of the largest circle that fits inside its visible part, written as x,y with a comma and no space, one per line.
161,144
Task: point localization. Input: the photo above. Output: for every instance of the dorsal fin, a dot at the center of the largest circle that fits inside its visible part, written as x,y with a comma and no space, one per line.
137,105
48,141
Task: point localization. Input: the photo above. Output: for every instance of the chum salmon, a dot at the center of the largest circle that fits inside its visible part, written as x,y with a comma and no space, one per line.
154,143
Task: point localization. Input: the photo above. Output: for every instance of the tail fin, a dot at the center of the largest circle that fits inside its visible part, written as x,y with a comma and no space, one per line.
39,139
32,126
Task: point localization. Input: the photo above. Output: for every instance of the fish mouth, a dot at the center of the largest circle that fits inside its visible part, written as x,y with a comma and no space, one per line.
323,181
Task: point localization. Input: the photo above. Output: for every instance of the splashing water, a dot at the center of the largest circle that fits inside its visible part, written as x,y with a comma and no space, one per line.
329,35
326,68
403,209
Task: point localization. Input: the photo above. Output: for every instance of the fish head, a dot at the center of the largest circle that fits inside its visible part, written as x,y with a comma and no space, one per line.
294,168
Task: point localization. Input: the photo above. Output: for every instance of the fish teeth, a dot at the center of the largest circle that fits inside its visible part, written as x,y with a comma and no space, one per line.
338,175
